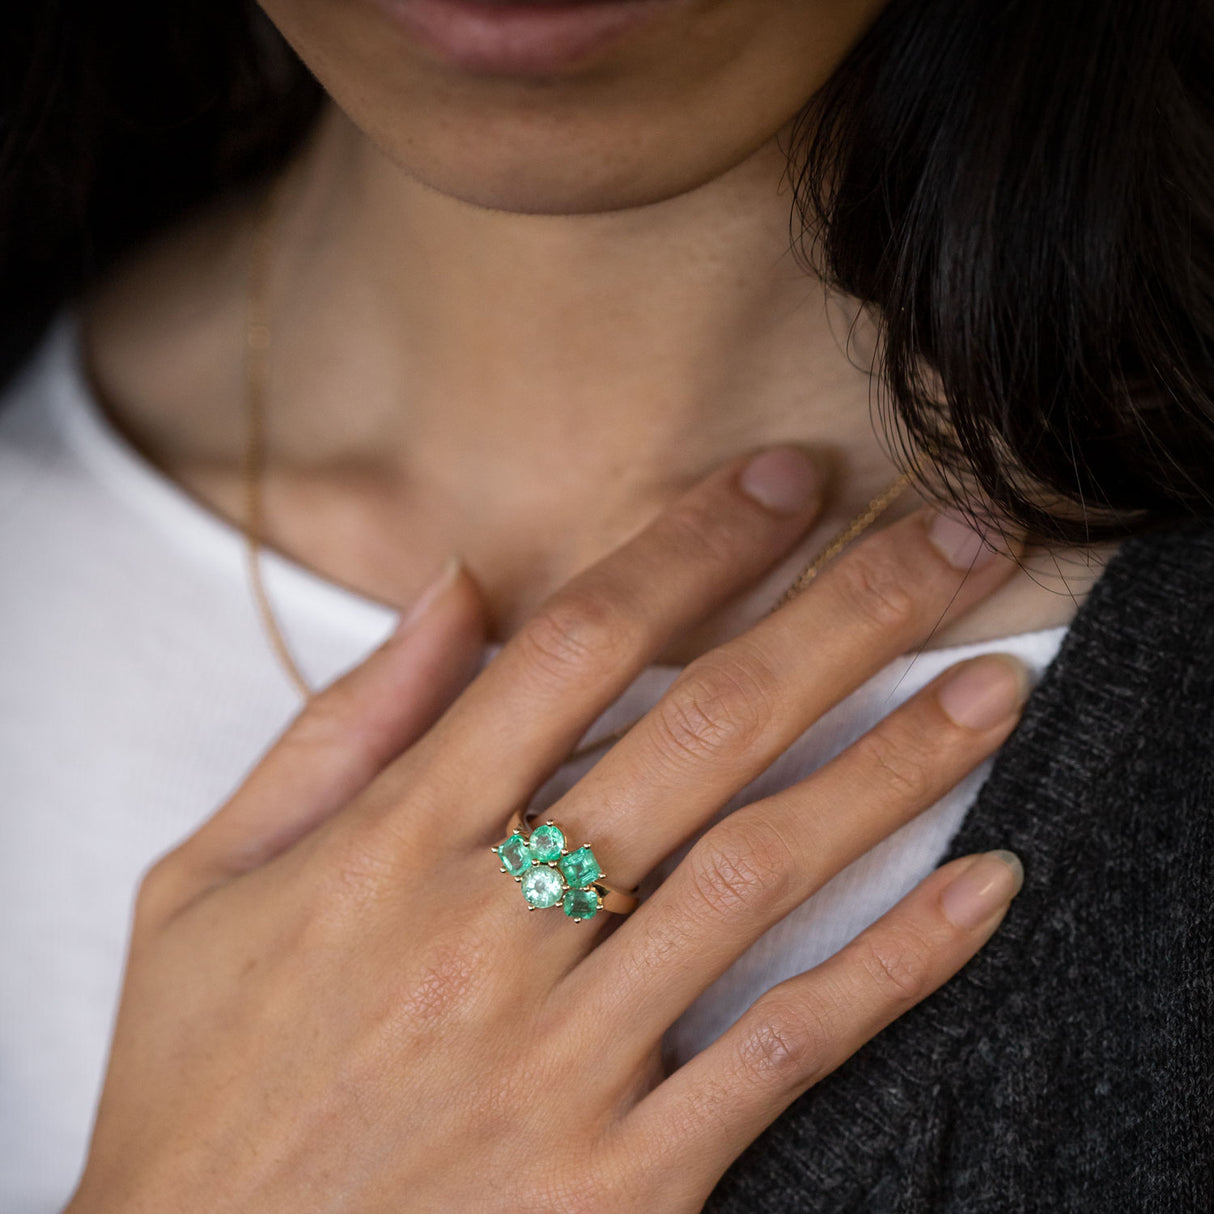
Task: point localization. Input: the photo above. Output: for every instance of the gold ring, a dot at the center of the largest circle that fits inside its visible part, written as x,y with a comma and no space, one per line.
552,874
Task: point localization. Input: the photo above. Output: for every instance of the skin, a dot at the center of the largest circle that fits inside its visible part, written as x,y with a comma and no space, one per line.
283,1044
522,385
540,323
702,90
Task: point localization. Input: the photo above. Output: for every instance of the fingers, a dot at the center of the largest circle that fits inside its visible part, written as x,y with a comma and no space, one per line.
701,1118
345,735
751,869
587,643
732,712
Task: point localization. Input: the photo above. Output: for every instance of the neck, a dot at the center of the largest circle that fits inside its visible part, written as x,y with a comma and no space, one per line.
525,390
614,356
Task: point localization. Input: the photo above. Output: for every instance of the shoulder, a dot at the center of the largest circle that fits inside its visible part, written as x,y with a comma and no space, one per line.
162,336
1150,616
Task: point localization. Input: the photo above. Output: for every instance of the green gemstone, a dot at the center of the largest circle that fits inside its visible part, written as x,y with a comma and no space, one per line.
547,843
543,887
515,855
582,903
580,868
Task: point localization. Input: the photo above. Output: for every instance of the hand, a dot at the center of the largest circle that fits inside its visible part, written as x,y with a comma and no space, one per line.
334,1000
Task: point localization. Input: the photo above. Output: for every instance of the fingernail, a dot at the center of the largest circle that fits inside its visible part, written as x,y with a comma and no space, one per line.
958,542
428,597
985,692
986,886
783,479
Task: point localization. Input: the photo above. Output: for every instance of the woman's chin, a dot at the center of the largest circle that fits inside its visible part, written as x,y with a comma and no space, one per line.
521,172
532,191
691,91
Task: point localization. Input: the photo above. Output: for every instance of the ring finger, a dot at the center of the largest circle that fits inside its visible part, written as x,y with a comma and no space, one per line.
527,709
732,712
693,1125
750,870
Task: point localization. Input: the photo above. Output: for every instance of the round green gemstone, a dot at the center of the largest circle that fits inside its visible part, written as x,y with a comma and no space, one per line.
547,843
580,868
542,886
582,903
515,855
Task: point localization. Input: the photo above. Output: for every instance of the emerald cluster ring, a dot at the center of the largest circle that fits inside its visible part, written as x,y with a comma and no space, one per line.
553,874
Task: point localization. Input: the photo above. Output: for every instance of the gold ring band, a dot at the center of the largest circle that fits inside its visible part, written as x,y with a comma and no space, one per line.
553,874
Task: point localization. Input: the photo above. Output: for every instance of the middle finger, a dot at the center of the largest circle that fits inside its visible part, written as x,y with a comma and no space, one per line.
732,712
522,715
749,871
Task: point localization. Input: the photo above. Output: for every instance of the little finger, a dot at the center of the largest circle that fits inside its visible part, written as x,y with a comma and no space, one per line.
695,1123
734,710
753,868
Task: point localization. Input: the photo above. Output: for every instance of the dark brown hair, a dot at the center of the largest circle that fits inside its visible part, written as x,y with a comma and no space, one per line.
1023,191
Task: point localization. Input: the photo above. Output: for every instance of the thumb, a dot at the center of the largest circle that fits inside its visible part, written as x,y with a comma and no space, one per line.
345,735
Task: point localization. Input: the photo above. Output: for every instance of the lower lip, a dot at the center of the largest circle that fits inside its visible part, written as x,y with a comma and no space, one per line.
525,39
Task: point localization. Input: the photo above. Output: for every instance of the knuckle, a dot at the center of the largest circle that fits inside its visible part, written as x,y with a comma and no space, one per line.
722,703
740,866
577,633
898,966
873,582
785,1044
447,987
896,762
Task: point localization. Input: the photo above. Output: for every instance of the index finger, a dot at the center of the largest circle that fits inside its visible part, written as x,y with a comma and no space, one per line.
735,710
526,711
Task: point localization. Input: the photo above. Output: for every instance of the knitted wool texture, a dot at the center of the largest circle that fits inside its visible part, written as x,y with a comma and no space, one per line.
1069,1067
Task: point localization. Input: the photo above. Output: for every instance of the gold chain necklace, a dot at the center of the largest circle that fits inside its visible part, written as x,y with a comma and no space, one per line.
256,383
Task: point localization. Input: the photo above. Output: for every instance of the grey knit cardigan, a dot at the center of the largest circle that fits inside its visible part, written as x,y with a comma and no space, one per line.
1069,1067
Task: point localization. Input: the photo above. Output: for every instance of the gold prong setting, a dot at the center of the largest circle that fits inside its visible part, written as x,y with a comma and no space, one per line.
550,874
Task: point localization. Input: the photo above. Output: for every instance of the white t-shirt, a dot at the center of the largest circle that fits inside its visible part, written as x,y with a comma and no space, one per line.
136,688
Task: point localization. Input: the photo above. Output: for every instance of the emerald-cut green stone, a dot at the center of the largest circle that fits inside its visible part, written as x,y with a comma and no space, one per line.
542,886
580,868
582,903
547,843
515,855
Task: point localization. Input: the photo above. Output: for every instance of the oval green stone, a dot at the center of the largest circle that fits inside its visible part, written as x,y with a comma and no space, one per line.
580,868
582,903
515,855
546,843
542,886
